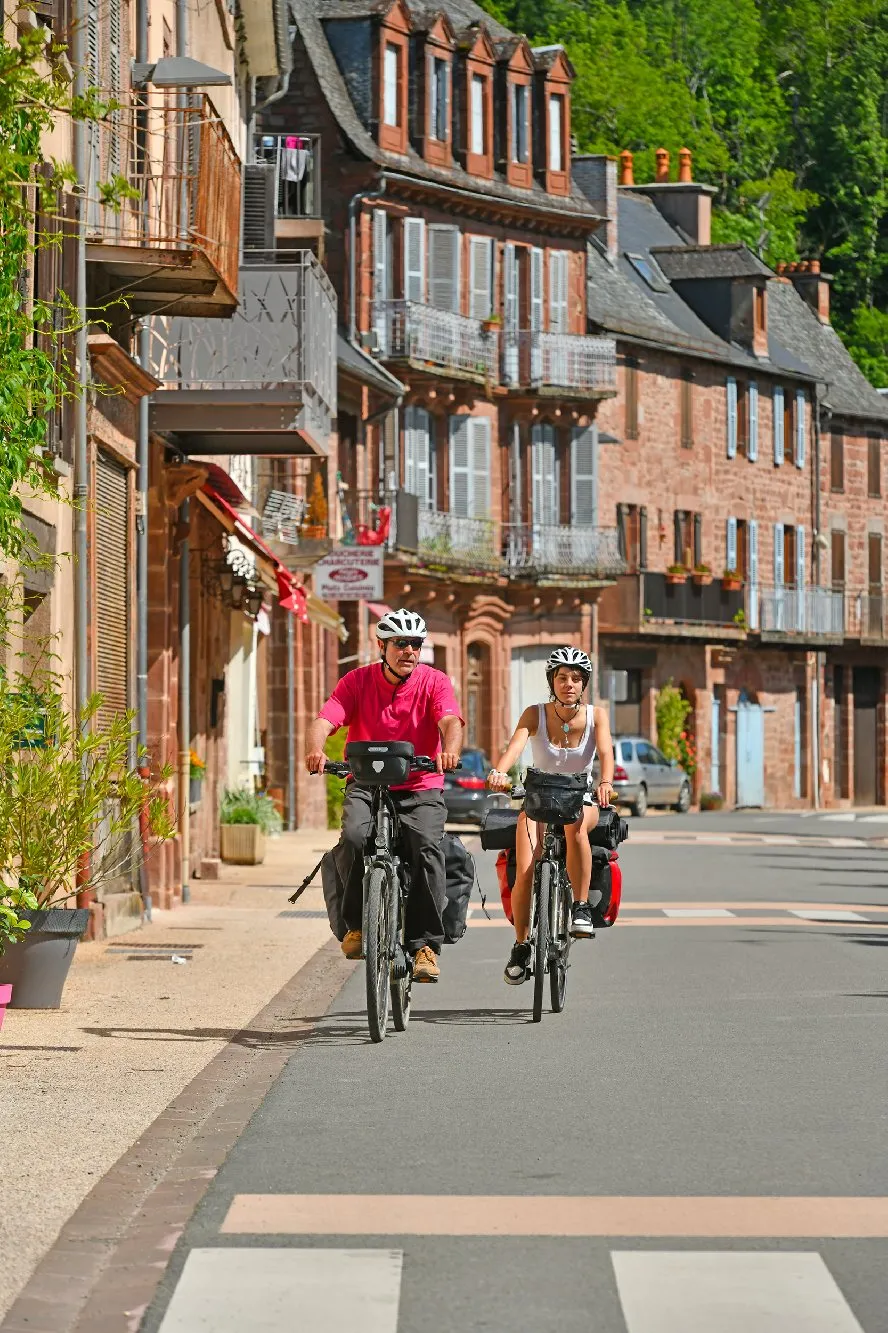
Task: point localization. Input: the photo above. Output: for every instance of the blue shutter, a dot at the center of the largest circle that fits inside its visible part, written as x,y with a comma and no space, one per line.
731,545
753,449
752,574
779,574
732,416
777,409
800,428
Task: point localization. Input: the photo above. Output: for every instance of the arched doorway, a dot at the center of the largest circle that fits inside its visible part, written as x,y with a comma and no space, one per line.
477,705
750,752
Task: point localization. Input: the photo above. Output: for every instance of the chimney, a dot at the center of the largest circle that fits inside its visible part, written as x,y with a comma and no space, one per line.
662,166
596,175
627,173
684,166
684,203
811,285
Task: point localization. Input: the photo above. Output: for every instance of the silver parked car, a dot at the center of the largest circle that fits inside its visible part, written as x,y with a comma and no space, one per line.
643,776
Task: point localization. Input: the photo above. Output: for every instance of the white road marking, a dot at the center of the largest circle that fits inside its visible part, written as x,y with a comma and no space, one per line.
872,819
829,916
729,1292
697,911
286,1291
845,817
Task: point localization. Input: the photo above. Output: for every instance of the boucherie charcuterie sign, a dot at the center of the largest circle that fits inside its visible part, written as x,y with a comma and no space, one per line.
350,573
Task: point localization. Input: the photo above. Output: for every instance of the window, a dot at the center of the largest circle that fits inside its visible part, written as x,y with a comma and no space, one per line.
556,132
742,420
439,99
731,415
583,477
874,560
558,291
478,134
631,398
632,535
688,538
752,400
778,423
650,271
414,259
626,751
758,300
469,471
837,559
800,428
444,247
391,79
545,479
480,276
787,566
419,456
520,107
686,391
837,461
874,466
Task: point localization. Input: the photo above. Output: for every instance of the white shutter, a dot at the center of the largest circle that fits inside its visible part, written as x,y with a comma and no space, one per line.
556,144
414,260
478,114
410,451
752,538
583,477
444,243
753,449
731,544
422,457
801,557
480,276
380,276
545,476
779,575
479,437
536,289
558,291
777,413
390,92
460,474
800,428
732,416
510,313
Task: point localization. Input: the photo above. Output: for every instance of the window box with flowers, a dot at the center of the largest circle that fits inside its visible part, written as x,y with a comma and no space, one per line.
701,575
731,581
676,574
197,771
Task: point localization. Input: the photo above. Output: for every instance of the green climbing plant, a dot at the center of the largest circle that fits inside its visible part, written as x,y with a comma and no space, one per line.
672,713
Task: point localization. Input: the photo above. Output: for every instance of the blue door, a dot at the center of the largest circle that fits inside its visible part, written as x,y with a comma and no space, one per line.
714,743
750,753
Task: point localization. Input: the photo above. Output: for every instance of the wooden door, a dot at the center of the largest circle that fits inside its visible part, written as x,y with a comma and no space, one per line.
867,682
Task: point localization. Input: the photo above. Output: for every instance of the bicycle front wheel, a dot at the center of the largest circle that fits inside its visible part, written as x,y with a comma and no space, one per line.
376,951
560,944
541,940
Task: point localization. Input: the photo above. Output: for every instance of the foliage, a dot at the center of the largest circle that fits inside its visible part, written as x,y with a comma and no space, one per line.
335,749
13,900
196,766
239,805
783,103
866,336
69,790
672,713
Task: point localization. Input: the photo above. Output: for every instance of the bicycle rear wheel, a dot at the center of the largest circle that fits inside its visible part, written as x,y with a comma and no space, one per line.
541,940
376,951
560,943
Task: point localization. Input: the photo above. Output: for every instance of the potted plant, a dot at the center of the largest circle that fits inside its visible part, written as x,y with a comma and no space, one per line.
245,819
70,805
197,770
739,618
491,324
731,581
702,575
676,574
711,800
314,528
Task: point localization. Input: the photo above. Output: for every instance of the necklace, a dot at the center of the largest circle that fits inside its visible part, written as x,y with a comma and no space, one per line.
565,726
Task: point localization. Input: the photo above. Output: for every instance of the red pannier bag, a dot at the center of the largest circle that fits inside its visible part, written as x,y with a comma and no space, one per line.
606,890
506,876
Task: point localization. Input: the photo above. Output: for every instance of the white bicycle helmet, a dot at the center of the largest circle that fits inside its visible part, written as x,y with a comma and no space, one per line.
568,657
402,623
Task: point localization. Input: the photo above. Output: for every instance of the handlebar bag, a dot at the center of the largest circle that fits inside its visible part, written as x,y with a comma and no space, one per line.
380,763
554,798
610,830
498,827
459,867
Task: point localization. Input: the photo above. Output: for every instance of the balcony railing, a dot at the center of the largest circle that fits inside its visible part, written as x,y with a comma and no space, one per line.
560,361
270,369
651,602
406,330
184,179
866,615
296,159
562,550
450,539
795,612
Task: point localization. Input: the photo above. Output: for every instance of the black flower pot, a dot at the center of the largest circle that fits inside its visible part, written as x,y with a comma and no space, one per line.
37,967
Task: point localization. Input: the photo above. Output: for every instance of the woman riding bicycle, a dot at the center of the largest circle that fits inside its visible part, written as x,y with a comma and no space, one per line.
565,735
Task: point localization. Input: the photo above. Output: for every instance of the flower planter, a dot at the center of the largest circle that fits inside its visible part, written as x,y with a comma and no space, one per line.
242,844
675,579
732,585
490,325
5,997
37,967
702,580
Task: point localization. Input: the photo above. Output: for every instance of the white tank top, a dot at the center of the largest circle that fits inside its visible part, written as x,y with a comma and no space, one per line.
555,758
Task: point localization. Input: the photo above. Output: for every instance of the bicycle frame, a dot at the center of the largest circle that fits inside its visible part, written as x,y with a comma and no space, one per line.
387,831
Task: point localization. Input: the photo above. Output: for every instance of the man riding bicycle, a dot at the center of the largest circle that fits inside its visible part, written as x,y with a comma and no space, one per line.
397,698
565,735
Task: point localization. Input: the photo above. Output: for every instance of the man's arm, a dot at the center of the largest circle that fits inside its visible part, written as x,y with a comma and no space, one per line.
450,728
315,737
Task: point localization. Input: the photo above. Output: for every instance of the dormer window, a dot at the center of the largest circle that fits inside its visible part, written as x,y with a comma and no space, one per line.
556,132
478,144
554,74
391,78
391,101
520,123
475,102
513,122
439,99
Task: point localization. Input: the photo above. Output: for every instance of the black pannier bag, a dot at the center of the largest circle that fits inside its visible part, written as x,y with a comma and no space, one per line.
554,798
610,830
498,827
459,866
380,763
334,893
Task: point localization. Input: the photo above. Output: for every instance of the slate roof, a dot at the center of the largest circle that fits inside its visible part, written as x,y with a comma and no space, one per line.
685,263
462,13
308,15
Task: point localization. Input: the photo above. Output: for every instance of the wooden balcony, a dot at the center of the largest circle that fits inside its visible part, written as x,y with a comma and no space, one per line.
560,364
172,237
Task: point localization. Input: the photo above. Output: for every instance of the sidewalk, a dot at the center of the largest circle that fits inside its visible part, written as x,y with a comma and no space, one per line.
78,1086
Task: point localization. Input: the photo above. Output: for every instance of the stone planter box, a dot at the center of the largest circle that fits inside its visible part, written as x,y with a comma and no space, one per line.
242,844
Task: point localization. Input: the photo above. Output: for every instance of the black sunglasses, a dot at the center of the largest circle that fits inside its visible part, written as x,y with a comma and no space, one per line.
408,643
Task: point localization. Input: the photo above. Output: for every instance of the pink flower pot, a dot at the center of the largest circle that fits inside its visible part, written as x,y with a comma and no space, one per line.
5,997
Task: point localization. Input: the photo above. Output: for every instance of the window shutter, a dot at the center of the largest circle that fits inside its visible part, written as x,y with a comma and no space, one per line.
678,536
480,276
753,447
556,145
732,416
777,413
477,137
731,544
444,267
112,588
621,530
801,427
583,487
414,259
536,289
410,451
642,538
778,555
752,533
380,275
479,436
558,291
422,457
460,474
390,91
114,162
801,557
698,539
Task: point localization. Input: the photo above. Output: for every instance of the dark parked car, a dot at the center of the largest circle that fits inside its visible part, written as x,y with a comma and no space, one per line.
465,791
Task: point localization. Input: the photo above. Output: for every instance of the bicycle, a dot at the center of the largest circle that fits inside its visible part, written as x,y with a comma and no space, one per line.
388,967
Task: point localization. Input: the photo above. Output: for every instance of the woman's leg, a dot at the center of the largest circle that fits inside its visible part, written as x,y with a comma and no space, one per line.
526,841
579,853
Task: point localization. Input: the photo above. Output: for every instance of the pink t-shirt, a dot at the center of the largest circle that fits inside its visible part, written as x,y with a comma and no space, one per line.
374,710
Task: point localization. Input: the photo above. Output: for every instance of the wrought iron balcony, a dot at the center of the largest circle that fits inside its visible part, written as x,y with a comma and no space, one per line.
866,615
427,337
653,604
175,235
560,363
296,162
450,540
801,613
263,382
562,551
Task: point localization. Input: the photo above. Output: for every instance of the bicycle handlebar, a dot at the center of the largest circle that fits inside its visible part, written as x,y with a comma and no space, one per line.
420,763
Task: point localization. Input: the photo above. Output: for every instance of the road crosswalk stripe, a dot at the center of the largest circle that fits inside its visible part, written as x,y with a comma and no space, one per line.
827,914
696,920
684,912
552,1215
281,1290
729,1291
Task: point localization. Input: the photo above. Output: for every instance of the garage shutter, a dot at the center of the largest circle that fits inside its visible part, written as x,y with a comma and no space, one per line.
112,588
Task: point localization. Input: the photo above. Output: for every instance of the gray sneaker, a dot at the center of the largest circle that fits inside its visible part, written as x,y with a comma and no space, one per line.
518,966
581,925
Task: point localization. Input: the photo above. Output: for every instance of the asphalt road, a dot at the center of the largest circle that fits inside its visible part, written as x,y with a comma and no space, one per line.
696,1145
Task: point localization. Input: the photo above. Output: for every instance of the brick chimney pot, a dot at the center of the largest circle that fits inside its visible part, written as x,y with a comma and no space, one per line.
662,157
627,173
814,266
684,165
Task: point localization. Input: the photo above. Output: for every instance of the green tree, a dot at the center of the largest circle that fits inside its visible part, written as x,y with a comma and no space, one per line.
866,336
